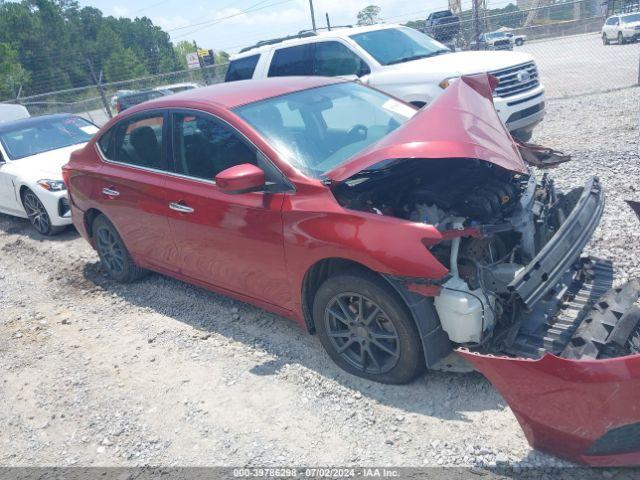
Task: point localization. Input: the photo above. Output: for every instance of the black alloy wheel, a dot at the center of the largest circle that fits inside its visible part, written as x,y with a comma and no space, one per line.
361,333
366,327
113,253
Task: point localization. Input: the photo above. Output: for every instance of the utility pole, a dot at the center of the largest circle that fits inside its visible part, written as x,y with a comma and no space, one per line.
313,16
205,73
328,22
478,8
98,82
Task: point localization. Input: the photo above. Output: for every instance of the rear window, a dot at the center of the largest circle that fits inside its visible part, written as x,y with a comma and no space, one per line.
296,60
242,68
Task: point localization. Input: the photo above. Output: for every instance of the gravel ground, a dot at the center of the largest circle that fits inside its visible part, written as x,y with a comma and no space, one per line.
163,373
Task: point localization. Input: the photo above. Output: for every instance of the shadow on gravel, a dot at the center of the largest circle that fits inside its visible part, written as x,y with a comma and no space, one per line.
15,225
448,396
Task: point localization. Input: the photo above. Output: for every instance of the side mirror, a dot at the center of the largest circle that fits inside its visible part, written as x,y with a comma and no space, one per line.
241,179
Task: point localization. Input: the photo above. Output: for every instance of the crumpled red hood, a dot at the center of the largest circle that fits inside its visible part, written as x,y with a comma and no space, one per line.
460,123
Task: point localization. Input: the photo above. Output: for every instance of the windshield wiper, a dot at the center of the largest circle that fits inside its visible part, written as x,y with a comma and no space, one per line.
418,57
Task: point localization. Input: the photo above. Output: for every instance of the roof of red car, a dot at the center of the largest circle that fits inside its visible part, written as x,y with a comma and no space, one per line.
233,94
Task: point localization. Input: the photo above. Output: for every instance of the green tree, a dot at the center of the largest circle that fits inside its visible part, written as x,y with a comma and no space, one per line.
369,15
181,50
123,64
12,75
222,57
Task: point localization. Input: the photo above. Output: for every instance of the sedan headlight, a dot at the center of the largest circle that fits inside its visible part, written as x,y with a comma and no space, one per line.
447,81
52,185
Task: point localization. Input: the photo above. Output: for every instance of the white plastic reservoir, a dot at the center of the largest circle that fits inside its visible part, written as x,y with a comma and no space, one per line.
463,313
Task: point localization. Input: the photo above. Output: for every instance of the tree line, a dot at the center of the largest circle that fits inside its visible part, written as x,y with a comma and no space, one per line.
49,45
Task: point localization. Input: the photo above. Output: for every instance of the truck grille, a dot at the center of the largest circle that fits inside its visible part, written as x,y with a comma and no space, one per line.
518,79
502,45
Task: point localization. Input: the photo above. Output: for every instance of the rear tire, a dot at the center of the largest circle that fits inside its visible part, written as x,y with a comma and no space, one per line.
38,215
366,328
114,256
519,42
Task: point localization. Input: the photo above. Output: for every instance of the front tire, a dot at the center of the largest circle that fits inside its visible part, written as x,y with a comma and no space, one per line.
621,40
605,40
366,328
38,215
113,253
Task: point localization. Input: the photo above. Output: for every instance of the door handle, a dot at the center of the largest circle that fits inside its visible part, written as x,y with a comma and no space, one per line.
110,192
179,207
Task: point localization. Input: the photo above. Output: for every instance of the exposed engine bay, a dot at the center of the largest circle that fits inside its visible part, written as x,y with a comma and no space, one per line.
515,286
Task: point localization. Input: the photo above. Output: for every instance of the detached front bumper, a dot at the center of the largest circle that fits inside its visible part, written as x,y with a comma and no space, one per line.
573,375
587,411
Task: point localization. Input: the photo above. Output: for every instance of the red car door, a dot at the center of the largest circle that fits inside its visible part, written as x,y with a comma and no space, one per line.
234,242
131,187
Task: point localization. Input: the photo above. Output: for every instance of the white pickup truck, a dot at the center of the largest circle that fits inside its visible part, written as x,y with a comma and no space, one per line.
400,61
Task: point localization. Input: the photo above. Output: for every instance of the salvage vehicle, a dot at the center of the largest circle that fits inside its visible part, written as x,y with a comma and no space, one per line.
32,152
402,62
398,235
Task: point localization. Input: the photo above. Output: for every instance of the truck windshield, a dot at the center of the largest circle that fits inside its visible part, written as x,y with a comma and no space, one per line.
398,45
317,130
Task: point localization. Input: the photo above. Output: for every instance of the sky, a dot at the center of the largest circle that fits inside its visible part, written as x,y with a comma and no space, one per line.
232,24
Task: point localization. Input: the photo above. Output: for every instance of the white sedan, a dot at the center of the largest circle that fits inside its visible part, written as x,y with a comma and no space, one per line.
32,153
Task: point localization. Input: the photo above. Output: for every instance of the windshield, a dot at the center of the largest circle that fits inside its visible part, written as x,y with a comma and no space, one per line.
631,18
317,130
397,45
42,135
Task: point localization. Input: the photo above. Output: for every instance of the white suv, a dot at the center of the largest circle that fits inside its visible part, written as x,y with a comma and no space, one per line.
621,28
400,61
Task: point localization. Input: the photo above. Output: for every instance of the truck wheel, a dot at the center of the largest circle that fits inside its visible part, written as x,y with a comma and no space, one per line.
519,42
366,329
114,256
522,135
621,40
605,40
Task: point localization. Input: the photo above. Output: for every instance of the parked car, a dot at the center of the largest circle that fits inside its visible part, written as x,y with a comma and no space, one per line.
622,28
134,97
403,62
396,234
32,152
10,112
493,41
177,87
516,39
443,26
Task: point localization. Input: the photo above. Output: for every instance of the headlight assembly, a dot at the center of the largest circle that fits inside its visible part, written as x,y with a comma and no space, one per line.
52,185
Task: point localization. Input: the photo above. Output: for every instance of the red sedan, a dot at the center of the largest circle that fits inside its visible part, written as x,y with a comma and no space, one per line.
400,236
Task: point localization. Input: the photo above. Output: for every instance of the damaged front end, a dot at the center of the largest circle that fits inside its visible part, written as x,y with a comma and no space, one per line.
542,323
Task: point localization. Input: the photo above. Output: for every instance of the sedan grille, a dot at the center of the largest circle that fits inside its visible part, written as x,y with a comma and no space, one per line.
518,79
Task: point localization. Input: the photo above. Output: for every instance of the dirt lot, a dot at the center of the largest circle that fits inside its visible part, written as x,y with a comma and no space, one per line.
159,372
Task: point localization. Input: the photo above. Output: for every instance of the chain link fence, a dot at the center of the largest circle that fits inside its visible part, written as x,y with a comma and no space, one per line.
564,39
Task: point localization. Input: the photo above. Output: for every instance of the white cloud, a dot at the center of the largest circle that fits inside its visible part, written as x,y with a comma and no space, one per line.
120,11
169,23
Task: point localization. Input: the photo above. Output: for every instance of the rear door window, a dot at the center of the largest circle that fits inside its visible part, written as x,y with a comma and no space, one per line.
334,58
242,68
136,141
296,60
